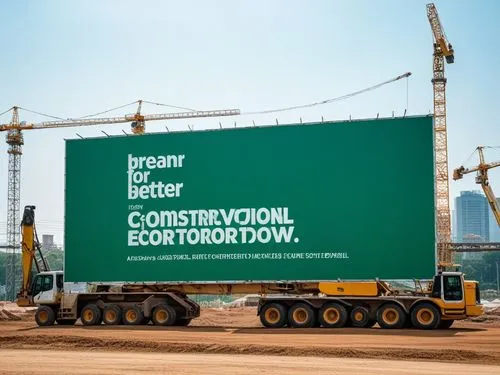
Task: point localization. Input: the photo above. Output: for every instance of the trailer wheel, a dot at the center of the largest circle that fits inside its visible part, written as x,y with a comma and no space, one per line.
301,315
390,316
273,315
91,315
360,317
445,324
66,322
333,315
132,315
45,316
425,316
163,315
112,315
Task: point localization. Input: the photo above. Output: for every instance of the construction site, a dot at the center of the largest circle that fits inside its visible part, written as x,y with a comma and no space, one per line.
289,238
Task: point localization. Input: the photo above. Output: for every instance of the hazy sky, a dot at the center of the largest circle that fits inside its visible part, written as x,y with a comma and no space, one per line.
73,58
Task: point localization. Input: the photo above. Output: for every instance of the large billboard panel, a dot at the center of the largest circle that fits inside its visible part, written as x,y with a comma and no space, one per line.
300,202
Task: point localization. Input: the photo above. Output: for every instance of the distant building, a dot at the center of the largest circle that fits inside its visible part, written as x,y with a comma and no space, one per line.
48,241
494,228
472,217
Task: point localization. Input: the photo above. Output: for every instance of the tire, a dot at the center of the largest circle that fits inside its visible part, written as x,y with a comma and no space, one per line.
112,315
371,323
132,315
66,322
445,324
45,316
91,315
273,315
301,315
391,316
333,315
163,315
360,317
425,316
182,322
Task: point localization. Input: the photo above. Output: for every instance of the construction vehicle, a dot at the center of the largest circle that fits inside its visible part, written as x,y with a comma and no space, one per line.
433,304
482,179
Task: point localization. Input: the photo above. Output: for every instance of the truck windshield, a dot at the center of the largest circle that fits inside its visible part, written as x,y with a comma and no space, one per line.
42,283
453,288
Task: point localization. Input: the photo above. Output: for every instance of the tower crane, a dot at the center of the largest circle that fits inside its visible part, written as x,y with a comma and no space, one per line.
482,179
442,51
15,141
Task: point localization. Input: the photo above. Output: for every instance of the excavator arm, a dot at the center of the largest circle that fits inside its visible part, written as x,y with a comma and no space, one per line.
30,247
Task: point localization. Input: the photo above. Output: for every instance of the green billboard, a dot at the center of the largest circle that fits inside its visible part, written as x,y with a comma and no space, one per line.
299,202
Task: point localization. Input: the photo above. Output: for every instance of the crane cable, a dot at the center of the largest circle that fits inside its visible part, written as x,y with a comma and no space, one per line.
309,105
475,150
3,113
169,105
39,113
109,110
470,157
339,98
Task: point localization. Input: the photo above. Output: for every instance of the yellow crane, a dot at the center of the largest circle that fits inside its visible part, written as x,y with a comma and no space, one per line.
15,140
482,179
442,50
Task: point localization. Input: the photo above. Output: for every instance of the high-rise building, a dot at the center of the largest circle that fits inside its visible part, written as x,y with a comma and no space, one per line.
472,217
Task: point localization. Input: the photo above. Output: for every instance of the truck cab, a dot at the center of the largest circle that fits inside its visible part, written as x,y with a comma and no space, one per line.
458,298
47,288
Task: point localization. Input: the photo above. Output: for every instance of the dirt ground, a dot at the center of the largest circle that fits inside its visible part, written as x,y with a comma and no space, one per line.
228,332
113,363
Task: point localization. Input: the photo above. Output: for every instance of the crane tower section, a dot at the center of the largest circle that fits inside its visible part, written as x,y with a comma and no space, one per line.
442,50
15,141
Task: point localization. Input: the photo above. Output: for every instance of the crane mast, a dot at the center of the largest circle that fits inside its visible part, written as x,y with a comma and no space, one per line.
15,141
442,50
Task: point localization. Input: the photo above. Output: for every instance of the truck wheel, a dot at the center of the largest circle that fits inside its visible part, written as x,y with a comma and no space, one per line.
132,315
112,315
163,315
301,315
66,322
333,315
445,324
273,315
425,316
391,316
360,317
45,316
91,315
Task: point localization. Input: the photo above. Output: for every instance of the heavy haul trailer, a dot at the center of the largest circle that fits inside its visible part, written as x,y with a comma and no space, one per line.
263,210
327,304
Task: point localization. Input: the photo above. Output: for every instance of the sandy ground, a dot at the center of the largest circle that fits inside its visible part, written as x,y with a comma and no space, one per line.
238,331
81,362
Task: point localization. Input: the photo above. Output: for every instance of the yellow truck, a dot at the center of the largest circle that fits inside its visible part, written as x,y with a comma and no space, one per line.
432,304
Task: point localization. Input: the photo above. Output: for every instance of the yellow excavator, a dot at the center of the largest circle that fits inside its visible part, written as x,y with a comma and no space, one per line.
482,179
31,253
